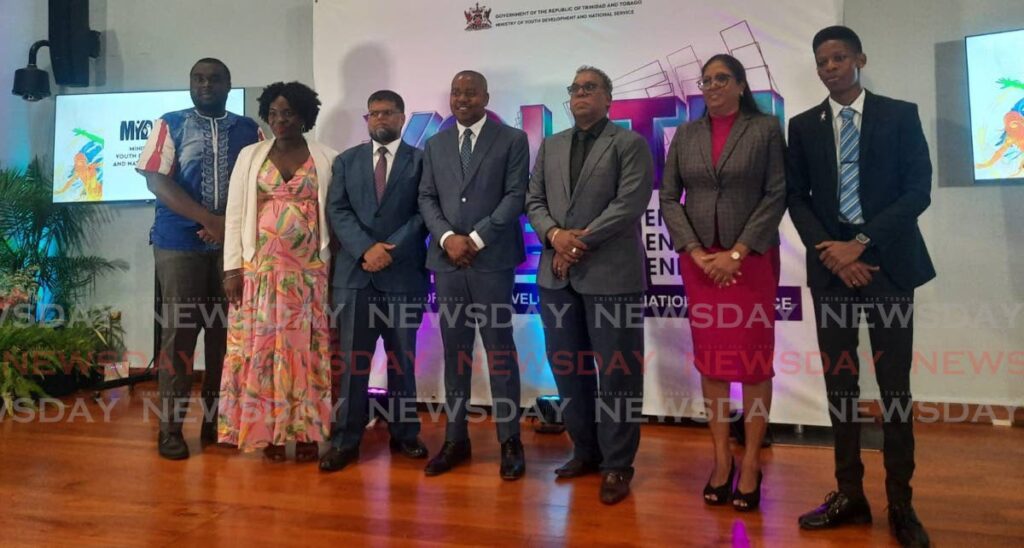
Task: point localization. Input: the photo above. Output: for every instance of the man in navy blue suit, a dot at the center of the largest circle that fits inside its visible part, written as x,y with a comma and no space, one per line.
859,175
380,281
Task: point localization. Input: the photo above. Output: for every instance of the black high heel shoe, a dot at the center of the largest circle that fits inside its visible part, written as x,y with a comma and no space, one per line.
717,496
747,502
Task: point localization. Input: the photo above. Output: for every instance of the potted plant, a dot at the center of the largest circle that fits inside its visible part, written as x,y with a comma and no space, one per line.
43,261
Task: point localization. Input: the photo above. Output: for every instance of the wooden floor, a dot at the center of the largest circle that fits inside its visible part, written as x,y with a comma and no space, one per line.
102,484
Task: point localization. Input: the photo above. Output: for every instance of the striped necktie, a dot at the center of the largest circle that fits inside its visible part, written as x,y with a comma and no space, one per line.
849,169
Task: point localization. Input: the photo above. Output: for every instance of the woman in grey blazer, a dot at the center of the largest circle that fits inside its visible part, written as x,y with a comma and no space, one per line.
729,163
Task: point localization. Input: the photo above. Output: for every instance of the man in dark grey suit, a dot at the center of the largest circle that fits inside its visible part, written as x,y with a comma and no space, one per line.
590,187
380,281
471,197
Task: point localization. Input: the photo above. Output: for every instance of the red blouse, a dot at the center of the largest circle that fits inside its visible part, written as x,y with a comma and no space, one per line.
720,127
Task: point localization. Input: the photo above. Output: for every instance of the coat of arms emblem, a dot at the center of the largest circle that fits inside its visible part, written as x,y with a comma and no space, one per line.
478,17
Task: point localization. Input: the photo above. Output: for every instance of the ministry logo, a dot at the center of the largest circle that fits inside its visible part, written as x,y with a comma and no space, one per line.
478,17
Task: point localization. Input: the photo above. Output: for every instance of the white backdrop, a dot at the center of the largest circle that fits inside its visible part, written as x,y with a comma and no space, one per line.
653,50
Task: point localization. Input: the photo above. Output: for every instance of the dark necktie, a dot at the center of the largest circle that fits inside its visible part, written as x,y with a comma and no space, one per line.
577,157
380,173
467,150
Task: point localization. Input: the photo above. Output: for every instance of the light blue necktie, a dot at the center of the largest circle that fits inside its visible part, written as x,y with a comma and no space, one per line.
849,169
467,150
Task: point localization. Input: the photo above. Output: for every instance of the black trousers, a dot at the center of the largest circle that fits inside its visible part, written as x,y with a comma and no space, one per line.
595,345
888,311
366,315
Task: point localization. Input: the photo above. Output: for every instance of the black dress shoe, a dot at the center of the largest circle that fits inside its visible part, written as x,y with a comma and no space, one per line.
513,461
576,468
839,509
615,485
172,446
414,449
335,459
452,453
905,526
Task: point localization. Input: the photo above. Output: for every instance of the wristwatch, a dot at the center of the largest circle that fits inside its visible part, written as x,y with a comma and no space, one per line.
735,255
862,239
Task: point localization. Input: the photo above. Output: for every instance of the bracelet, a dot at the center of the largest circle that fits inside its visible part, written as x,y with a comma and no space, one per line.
551,238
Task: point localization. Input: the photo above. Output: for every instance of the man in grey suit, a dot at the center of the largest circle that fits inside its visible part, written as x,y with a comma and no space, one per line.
471,197
590,187
380,282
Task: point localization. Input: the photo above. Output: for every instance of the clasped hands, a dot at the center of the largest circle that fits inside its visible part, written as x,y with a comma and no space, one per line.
569,249
843,259
378,257
461,250
212,231
719,266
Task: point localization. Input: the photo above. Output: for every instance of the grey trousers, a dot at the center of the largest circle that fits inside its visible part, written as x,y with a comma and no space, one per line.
192,298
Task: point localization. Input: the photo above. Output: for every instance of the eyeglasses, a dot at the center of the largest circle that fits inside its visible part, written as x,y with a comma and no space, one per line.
587,89
382,113
719,80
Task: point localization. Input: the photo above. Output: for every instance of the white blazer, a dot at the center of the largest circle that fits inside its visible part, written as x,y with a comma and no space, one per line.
240,224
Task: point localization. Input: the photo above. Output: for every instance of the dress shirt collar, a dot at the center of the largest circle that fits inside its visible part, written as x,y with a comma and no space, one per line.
475,127
595,130
857,105
392,146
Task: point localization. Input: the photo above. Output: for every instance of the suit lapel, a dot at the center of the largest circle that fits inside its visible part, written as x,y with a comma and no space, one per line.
488,134
867,130
399,165
596,152
703,130
563,152
739,127
367,187
826,135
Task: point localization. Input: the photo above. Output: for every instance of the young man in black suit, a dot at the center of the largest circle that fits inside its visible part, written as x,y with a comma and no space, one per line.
858,176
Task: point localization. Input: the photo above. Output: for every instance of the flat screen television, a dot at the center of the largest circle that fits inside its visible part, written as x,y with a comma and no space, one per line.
98,138
995,76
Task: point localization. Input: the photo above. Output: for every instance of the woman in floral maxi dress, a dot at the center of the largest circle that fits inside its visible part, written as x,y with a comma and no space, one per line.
276,386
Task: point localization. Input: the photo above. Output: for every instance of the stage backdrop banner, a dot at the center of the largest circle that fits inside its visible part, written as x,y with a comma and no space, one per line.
529,51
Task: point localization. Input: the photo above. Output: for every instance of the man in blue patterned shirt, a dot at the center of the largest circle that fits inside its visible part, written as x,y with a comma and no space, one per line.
187,163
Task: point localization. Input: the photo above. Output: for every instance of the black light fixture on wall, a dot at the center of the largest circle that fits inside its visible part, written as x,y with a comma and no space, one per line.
71,44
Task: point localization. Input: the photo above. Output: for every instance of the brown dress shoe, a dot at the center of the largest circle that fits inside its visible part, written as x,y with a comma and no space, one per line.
615,486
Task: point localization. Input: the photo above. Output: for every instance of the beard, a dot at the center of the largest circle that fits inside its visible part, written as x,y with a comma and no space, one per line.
384,135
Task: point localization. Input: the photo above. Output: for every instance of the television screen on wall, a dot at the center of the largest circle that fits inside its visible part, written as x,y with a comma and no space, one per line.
98,138
995,75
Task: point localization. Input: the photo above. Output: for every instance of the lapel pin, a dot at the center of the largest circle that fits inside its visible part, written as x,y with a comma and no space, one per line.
823,116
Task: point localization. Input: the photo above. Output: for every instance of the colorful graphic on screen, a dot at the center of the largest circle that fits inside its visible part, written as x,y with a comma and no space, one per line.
995,72
85,184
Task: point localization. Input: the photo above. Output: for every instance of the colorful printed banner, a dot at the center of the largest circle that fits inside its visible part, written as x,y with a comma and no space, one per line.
529,50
